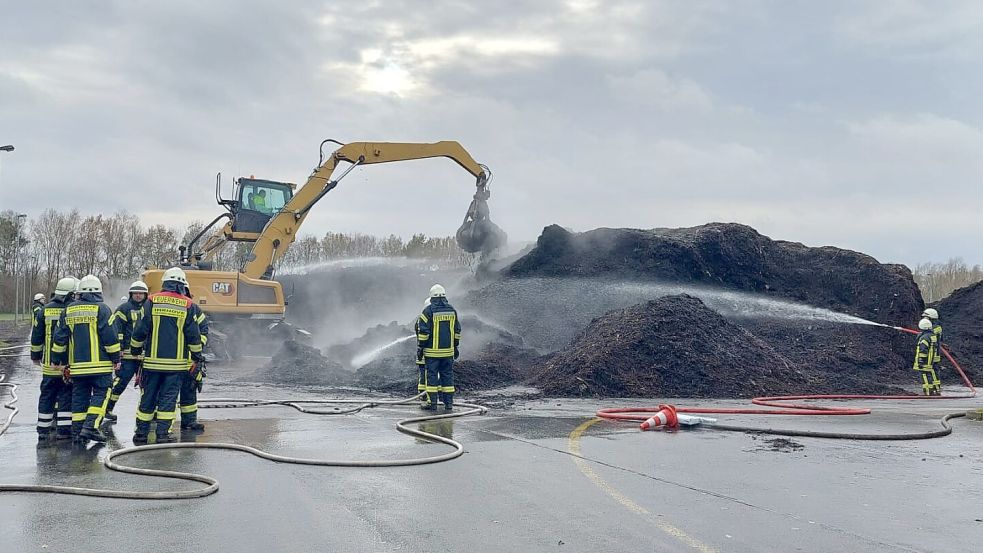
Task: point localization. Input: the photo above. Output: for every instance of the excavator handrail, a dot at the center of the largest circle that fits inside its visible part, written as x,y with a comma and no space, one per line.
281,230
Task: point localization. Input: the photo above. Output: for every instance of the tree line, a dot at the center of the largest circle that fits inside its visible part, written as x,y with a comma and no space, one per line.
58,243
938,280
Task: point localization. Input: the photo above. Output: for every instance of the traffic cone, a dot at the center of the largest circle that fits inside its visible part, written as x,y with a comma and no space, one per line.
665,417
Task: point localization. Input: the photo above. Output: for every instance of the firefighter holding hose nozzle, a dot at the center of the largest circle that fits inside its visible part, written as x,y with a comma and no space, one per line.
933,315
438,339
925,358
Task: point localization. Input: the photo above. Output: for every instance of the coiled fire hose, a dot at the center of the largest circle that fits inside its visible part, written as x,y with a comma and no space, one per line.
781,406
211,484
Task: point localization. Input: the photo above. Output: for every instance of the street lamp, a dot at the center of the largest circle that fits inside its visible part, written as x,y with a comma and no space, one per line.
16,258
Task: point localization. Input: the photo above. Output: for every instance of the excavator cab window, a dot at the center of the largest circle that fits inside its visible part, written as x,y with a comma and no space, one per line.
258,201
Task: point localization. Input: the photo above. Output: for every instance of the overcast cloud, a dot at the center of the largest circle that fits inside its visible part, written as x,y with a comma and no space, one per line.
855,124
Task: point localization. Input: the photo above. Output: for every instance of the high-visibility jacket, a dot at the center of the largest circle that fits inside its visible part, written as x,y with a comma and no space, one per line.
168,333
438,329
36,307
84,340
936,341
923,351
43,333
125,320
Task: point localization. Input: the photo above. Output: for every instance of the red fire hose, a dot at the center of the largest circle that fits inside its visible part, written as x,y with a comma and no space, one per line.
783,407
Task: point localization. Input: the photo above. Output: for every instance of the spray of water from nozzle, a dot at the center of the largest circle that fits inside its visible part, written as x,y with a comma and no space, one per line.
365,358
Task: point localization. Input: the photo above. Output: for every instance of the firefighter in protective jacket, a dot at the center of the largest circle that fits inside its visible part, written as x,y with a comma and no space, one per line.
125,320
438,338
87,344
925,358
55,401
167,334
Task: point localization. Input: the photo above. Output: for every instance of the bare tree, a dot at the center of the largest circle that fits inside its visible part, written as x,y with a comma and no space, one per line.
938,280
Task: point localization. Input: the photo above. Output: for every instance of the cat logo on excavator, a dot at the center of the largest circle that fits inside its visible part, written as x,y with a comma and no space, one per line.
224,288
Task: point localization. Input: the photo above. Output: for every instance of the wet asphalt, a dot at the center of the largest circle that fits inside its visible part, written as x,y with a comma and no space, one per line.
518,487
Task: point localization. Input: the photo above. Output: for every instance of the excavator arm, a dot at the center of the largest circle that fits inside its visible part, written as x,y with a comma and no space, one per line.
281,231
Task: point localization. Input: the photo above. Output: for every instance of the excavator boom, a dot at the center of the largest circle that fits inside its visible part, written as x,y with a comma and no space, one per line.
282,229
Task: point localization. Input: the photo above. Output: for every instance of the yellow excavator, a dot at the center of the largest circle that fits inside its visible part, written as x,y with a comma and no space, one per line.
268,214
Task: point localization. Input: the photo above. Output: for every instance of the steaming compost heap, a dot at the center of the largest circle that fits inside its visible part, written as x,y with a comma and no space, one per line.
732,256
962,323
671,347
299,364
716,310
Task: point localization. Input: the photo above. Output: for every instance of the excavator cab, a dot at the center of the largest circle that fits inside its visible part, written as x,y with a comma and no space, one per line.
257,201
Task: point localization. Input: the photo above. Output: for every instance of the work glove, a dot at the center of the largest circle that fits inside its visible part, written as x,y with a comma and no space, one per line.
66,374
457,353
200,377
136,352
419,354
197,357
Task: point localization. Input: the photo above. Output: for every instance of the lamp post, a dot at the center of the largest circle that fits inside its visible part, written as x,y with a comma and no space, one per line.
20,217
10,148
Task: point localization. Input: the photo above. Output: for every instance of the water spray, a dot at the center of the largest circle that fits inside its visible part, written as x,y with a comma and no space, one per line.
362,359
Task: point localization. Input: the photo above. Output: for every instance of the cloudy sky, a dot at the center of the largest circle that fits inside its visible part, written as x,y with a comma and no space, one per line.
854,123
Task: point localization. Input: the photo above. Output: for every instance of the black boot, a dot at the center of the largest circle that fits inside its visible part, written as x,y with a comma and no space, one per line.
110,416
448,401
429,406
165,439
192,425
65,434
92,434
139,439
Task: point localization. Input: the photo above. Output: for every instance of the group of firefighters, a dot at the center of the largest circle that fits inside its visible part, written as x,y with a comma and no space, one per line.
89,353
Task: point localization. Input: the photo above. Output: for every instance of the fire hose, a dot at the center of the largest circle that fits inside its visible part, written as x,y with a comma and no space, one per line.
8,404
781,406
212,485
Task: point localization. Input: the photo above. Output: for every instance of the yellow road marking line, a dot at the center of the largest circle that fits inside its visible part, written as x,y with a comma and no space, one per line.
573,446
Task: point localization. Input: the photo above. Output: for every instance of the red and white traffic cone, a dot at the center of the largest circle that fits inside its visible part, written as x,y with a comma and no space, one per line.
665,417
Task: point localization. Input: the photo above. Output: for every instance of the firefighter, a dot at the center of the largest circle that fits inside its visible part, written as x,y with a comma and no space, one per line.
924,354
125,320
193,378
169,329
38,304
421,386
438,339
55,401
933,315
87,345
